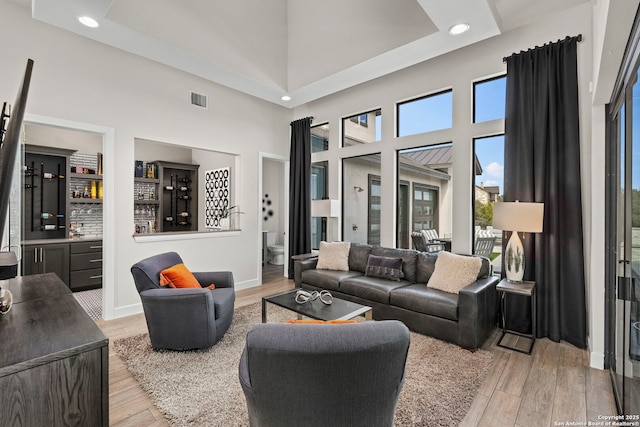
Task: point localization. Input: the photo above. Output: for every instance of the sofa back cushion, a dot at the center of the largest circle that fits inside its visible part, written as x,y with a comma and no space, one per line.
358,257
426,263
409,260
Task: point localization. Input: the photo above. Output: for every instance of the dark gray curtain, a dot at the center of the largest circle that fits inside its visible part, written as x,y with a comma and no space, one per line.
542,164
299,190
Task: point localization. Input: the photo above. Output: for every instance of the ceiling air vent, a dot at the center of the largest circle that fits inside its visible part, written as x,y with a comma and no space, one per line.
198,100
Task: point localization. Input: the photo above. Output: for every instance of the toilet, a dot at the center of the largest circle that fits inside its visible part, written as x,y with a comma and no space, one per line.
276,252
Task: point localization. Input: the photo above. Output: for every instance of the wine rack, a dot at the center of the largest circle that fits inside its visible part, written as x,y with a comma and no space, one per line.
177,197
45,187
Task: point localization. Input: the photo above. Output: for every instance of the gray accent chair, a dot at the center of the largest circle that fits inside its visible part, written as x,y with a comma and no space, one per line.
324,375
184,319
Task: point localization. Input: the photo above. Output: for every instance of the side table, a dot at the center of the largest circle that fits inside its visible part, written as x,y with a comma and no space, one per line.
526,288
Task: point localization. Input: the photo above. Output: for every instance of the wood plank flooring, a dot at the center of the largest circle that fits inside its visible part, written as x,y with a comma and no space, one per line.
554,384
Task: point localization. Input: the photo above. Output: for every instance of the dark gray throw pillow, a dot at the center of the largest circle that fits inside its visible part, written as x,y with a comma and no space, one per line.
384,267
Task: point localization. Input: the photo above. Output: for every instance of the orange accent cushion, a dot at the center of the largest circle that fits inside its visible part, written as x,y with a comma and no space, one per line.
179,276
317,322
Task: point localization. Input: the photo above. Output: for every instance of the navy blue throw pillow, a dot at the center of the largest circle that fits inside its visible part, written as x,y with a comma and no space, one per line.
384,267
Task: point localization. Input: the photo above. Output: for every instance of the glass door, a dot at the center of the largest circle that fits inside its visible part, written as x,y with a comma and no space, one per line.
625,360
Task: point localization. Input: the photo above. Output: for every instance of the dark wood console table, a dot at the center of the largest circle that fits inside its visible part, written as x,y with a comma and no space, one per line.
53,358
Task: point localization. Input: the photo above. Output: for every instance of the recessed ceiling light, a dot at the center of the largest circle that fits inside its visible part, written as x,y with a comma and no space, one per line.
88,21
459,29
285,98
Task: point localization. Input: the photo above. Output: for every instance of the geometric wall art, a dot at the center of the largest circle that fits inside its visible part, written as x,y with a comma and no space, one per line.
217,184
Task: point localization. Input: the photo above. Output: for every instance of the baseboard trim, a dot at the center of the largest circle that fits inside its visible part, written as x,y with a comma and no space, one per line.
596,360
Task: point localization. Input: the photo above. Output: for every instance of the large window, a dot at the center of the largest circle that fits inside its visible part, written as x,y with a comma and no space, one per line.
488,189
361,202
426,114
362,128
318,192
489,98
425,188
320,138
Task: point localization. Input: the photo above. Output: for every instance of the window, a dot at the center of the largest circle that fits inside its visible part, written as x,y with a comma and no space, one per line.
488,174
318,192
489,98
426,114
357,130
320,138
425,188
361,202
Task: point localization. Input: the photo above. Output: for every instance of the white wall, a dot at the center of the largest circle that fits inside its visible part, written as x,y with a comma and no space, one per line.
83,81
457,71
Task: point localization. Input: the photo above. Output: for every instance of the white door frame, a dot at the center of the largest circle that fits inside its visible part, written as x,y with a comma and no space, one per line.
285,161
108,207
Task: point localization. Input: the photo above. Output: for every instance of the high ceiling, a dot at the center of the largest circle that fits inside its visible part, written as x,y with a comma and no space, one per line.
306,49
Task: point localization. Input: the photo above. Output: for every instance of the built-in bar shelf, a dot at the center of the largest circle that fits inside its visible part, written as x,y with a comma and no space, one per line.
85,176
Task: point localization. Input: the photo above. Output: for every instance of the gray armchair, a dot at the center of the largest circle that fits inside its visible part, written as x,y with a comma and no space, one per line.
183,319
324,375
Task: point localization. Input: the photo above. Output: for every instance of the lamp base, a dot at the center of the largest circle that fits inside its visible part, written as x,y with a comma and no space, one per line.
514,261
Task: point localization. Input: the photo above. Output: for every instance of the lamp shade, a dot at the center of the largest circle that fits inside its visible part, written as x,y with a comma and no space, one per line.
524,217
325,208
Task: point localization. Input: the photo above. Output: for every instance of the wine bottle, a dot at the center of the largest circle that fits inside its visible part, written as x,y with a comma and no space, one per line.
49,175
168,187
184,179
183,188
183,214
168,218
49,227
46,215
184,223
185,197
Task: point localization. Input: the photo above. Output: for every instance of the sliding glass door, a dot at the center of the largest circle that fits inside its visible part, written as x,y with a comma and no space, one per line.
623,278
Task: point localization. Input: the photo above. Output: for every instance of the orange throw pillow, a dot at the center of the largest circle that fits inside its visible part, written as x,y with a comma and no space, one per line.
316,322
179,276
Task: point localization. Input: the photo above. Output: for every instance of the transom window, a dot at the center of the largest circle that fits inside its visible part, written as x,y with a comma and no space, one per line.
426,114
362,128
489,98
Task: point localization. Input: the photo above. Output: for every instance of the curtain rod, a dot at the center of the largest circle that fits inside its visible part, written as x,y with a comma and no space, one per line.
578,39
308,117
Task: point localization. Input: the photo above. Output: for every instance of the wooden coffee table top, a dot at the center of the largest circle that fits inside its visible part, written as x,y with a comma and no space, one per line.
338,310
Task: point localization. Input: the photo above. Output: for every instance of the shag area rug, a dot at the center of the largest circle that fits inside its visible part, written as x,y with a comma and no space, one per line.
201,388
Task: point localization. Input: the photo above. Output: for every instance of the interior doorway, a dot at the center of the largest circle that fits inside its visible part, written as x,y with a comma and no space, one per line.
99,216
274,217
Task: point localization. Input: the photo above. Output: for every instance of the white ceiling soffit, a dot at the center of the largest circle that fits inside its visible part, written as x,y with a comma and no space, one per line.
151,43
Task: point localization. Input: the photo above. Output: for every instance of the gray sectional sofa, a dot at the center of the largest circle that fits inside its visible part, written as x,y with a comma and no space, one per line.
466,318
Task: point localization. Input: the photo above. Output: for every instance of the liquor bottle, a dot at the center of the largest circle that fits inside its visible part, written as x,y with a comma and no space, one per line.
94,190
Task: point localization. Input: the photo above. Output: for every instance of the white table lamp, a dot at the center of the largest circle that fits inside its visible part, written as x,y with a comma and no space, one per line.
517,217
325,208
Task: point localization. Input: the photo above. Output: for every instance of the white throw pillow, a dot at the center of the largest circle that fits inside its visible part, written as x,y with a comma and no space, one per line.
334,256
454,272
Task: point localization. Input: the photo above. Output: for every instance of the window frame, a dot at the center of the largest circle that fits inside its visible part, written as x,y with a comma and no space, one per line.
416,99
473,95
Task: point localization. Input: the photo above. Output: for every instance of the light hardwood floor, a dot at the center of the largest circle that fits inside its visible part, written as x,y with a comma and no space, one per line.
554,384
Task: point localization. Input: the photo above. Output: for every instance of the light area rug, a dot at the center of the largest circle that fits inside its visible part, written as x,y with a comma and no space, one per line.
201,388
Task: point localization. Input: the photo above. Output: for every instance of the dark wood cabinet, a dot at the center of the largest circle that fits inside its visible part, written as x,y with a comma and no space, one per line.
46,258
85,265
54,365
177,196
45,192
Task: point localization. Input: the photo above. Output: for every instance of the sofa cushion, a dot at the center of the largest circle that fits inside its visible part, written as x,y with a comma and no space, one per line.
327,279
384,267
358,256
409,259
454,272
425,264
333,256
420,298
371,288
